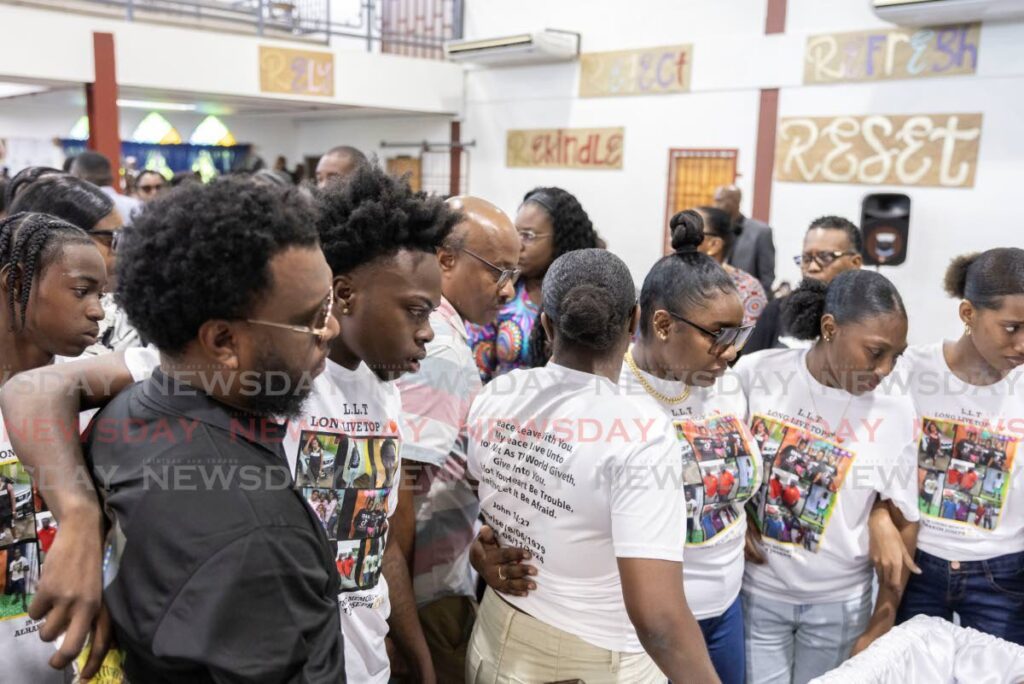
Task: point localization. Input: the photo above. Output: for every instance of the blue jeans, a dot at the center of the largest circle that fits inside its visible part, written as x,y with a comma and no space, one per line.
987,595
724,637
792,644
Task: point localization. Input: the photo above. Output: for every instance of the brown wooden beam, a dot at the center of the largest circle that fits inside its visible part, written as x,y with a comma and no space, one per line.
775,21
764,163
101,104
455,160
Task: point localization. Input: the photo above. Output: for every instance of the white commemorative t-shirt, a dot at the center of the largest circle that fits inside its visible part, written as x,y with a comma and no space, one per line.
721,471
23,655
827,456
579,475
970,479
344,454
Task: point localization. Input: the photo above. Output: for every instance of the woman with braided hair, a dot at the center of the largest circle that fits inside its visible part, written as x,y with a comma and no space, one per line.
51,277
550,223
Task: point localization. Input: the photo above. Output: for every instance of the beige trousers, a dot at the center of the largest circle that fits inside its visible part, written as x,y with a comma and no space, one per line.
510,647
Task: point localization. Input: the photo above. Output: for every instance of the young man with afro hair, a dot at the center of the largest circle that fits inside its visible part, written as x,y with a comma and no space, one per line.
380,239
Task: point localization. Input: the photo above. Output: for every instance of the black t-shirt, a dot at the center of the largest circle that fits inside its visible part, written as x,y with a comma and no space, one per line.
222,572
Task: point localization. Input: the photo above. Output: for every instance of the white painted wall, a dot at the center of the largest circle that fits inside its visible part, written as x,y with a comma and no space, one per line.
732,61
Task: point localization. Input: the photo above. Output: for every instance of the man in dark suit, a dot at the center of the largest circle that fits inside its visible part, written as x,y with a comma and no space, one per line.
753,251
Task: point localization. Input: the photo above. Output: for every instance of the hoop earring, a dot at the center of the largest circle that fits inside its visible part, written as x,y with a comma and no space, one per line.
967,330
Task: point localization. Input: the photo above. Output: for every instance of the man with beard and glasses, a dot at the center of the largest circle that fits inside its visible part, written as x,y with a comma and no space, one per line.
217,570
380,240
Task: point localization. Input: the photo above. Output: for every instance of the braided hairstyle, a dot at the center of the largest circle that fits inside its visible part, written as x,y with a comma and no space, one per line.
29,242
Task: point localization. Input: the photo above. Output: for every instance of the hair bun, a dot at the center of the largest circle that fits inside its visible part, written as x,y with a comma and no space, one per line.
687,231
955,279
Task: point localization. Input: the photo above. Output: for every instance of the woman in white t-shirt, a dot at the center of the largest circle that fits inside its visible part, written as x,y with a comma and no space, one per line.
52,278
587,480
691,329
832,445
968,395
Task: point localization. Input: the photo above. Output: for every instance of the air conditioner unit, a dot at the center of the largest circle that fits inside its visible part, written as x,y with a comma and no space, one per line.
549,45
937,12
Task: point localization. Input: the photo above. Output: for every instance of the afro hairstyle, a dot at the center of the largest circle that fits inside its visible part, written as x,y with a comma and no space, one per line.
373,215
203,252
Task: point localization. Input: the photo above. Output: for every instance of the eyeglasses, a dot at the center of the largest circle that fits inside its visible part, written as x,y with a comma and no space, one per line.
111,238
505,275
531,236
730,336
319,327
823,259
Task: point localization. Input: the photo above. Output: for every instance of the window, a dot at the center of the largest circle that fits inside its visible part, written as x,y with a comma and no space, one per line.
693,177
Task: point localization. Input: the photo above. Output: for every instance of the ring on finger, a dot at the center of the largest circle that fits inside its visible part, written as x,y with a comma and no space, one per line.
501,573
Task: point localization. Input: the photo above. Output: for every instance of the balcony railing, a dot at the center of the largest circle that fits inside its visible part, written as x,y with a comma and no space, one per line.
415,28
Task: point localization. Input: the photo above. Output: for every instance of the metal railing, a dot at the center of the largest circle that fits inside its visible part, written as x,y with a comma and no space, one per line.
416,28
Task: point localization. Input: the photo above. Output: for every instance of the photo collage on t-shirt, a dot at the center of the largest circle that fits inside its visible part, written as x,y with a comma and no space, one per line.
804,473
719,474
27,530
963,472
346,482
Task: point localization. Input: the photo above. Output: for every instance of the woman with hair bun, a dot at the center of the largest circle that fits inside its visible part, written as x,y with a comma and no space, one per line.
566,472
692,326
833,446
968,396
691,329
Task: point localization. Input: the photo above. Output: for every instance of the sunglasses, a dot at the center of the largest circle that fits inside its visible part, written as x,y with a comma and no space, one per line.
317,330
112,238
505,275
823,259
730,336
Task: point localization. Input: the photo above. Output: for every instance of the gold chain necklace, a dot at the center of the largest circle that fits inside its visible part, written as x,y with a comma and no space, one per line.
649,388
814,404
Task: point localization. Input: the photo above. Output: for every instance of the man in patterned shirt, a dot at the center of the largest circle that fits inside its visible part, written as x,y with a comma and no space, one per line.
478,275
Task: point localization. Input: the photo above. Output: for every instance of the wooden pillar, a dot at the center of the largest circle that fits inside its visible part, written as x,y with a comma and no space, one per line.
767,123
764,163
455,160
101,104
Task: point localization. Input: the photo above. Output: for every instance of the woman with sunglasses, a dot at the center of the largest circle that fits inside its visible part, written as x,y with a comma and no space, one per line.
84,205
690,330
834,447
719,236
550,222
565,471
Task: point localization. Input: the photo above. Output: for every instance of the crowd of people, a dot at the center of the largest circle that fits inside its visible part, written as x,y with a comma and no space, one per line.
345,431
